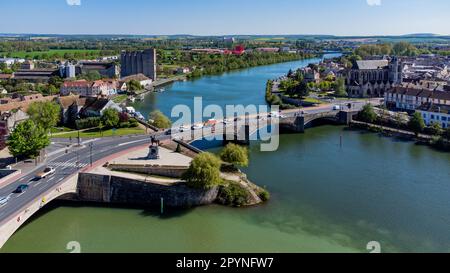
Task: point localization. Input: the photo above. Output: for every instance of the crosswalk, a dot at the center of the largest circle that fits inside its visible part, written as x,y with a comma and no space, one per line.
67,165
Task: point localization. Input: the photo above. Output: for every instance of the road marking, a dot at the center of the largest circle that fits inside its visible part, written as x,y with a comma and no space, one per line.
131,142
67,164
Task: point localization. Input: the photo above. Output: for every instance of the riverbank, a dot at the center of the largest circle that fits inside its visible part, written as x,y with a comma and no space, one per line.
423,139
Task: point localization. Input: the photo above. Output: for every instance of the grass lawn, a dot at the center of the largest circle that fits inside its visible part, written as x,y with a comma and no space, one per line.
119,99
95,133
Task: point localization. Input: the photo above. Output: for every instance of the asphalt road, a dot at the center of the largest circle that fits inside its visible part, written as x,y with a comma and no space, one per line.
65,165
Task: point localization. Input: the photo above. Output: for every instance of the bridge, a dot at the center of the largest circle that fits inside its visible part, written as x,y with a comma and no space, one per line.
241,131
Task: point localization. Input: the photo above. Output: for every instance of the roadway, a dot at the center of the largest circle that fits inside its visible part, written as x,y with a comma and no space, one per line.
65,165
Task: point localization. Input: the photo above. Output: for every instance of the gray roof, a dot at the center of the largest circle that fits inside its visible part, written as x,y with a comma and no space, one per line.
371,64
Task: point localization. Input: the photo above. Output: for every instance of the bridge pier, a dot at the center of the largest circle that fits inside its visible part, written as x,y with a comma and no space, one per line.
241,137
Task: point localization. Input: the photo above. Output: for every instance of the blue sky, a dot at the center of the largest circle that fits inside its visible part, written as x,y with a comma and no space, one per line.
221,17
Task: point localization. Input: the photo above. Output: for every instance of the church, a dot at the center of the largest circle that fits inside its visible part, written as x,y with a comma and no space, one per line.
372,78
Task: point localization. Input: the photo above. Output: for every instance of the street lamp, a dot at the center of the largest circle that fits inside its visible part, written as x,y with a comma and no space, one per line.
90,150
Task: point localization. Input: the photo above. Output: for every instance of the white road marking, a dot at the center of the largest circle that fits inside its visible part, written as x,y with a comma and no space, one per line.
131,142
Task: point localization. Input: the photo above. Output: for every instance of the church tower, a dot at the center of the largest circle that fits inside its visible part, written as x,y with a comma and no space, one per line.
395,71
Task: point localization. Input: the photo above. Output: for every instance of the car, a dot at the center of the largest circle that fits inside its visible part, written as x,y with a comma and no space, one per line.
4,200
337,107
21,188
197,126
46,172
226,121
184,128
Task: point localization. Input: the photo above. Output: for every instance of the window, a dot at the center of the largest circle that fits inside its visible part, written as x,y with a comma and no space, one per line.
444,118
432,116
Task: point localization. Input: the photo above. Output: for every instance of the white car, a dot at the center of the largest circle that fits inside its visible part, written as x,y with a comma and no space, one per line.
4,200
46,173
336,107
183,128
197,126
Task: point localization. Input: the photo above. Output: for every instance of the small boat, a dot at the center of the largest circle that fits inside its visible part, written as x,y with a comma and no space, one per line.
132,99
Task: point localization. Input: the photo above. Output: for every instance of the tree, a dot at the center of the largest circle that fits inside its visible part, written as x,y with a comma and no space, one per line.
110,118
203,172
436,129
416,123
368,114
134,85
339,88
235,155
27,140
158,119
45,114
446,134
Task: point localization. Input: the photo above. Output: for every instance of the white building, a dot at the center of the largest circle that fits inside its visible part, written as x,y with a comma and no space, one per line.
11,61
435,113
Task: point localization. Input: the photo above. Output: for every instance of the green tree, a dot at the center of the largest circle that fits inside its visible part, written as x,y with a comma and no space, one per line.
110,118
368,114
235,154
446,134
416,123
203,172
158,119
436,129
134,85
27,140
45,114
339,88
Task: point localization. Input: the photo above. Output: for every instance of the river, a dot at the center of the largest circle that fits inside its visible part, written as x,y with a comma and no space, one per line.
325,197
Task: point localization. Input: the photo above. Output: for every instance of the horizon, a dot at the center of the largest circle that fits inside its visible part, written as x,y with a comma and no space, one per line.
352,18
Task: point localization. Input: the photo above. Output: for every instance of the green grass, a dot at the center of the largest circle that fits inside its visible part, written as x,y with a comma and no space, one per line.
96,133
23,54
312,100
119,99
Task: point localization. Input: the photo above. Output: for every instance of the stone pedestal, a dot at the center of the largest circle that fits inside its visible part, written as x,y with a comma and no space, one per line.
153,152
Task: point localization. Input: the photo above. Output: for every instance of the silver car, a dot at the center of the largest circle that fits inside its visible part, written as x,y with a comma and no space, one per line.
4,200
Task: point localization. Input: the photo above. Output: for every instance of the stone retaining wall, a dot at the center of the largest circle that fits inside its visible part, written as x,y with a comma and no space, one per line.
166,171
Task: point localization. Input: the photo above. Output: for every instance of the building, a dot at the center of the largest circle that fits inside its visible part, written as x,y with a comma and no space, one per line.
70,108
35,75
435,113
141,78
11,61
268,49
105,69
8,121
372,78
310,74
409,98
139,62
85,88
67,70
94,107
27,65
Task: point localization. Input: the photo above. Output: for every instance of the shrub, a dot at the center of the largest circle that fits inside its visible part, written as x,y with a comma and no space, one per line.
235,154
233,194
264,195
87,123
204,171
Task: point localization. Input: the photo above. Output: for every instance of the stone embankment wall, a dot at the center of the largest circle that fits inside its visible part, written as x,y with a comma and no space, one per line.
119,190
166,171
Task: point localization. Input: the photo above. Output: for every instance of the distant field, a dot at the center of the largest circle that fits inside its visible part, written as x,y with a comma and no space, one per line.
23,54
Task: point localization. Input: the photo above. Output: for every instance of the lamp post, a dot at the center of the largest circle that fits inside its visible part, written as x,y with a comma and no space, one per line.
90,151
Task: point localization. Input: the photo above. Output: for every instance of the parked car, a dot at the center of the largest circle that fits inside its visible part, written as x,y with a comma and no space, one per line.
336,107
46,173
197,126
21,188
4,200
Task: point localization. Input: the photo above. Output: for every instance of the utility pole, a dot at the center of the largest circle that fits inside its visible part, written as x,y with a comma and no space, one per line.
79,138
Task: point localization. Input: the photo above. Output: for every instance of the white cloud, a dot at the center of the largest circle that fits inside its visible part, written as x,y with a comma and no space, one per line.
73,2
374,2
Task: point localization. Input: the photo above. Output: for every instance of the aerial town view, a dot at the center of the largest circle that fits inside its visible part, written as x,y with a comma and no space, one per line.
195,127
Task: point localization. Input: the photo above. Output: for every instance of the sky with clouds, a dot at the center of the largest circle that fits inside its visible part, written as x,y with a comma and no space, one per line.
221,17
